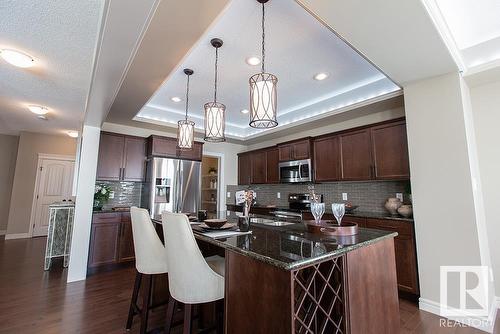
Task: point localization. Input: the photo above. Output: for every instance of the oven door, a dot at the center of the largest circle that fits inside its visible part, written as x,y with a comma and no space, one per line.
295,171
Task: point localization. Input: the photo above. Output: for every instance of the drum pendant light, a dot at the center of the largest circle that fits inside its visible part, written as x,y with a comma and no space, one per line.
215,111
263,95
185,127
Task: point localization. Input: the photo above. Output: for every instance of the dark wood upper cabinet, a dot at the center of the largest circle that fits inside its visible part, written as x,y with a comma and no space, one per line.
258,161
110,158
285,152
390,151
121,158
272,157
134,159
355,155
297,150
166,147
326,159
244,169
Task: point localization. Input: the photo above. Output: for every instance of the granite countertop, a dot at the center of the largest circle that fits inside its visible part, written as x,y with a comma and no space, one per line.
110,211
291,247
361,214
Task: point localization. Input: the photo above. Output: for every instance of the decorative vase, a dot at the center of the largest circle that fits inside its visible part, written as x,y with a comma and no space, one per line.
405,210
392,205
97,205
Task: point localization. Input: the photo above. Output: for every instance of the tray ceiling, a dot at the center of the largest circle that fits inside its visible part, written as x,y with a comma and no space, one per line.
298,46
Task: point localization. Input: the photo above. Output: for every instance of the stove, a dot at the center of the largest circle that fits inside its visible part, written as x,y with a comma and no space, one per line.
297,203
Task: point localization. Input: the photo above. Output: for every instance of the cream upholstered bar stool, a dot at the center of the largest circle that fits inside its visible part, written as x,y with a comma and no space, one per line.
150,259
192,279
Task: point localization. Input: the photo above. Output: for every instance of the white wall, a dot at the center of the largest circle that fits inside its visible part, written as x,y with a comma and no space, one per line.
442,186
486,112
8,152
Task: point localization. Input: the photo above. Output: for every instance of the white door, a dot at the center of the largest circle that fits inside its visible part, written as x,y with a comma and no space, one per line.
54,185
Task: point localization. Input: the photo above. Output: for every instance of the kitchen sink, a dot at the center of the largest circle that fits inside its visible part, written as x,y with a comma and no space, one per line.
269,222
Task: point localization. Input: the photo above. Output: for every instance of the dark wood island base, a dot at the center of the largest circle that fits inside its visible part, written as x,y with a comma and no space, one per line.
355,292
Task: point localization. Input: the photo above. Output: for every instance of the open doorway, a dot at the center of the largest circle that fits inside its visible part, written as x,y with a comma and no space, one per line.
54,182
210,185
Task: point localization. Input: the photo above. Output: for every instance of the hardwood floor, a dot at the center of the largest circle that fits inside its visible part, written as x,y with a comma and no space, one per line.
34,301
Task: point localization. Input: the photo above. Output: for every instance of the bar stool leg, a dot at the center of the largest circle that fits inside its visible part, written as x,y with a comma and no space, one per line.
145,304
170,314
188,308
133,302
219,316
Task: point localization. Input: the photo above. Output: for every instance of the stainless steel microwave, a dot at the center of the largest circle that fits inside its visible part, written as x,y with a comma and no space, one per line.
295,171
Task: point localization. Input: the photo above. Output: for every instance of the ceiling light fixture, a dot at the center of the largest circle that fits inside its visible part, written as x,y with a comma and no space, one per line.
176,99
42,117
252,61
215,123
185,127
263,95
39,110
17,58
73,134
321,76
244,111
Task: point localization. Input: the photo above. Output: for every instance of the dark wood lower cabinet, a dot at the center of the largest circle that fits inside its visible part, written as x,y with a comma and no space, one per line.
111,241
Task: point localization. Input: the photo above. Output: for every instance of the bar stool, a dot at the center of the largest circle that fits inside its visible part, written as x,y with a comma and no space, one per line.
192,279
150,259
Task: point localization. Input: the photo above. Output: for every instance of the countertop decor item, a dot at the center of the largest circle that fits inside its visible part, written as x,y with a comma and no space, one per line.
101,196
263,91
328,228
405,210
338,210
185,127
215,223
392,205
215,123
317,210
59,233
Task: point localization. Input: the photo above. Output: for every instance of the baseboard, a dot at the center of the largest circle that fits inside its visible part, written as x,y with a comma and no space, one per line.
11,236
3,232
473,321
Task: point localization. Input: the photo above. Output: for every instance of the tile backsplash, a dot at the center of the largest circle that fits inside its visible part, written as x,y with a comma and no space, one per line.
370,195
125,194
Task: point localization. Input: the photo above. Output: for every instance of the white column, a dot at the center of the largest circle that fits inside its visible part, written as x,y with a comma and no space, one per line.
84,202
448,208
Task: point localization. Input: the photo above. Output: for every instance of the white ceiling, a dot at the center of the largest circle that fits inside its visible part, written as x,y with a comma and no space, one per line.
297,47
471,29
61,35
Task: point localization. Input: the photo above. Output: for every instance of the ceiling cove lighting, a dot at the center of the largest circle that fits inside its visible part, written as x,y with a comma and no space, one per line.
176,99
263,95
185,127
17,58
73,134
321,76
39,110
215,111
253,61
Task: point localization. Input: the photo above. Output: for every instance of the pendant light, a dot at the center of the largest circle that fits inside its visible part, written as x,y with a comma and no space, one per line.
215,111
185,127
263,101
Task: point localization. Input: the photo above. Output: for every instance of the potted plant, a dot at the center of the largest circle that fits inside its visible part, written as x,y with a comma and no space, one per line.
101,196
212,171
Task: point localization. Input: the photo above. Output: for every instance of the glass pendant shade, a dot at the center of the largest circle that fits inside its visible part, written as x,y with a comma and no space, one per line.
215,122
185,134
263,101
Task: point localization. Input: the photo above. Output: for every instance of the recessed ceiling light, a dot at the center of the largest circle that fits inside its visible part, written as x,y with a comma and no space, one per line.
42,117
176,99
321,76
253,61
244,111
17,58
73,134
39,110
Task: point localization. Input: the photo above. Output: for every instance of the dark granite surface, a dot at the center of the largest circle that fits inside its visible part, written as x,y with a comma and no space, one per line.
292,247
110,211
362,214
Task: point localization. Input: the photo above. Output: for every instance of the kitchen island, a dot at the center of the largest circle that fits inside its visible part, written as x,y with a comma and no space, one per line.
282,279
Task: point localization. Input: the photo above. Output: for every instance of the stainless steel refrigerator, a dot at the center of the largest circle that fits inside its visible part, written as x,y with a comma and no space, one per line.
172,185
